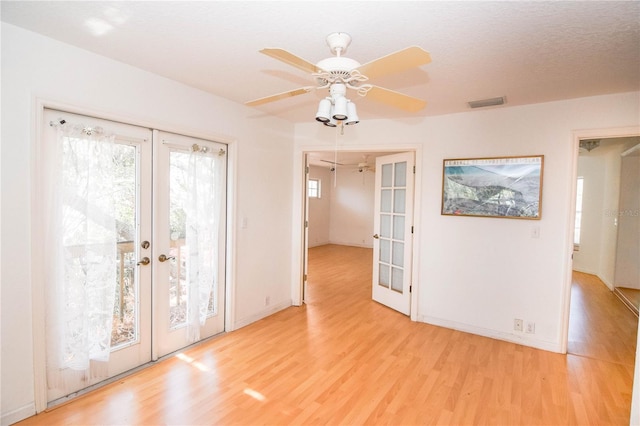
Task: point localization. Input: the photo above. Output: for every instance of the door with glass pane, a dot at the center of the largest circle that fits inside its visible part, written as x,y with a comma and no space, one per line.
95,180
189,236
393,243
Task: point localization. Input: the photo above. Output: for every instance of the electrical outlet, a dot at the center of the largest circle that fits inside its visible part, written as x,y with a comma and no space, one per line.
531,328
517,324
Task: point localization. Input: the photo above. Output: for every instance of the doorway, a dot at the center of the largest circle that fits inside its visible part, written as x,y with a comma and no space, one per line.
344,188
595,252
133,246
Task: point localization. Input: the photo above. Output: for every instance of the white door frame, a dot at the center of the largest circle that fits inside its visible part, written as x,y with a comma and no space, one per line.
578,135
298,217
37,278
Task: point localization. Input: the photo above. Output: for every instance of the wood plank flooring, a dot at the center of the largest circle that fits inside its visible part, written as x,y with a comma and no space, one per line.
343,359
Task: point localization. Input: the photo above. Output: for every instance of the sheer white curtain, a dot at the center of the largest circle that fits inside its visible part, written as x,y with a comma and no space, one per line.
81,237
203,213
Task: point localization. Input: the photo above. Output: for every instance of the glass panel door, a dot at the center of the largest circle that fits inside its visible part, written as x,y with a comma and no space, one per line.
190,236
105,215
392,240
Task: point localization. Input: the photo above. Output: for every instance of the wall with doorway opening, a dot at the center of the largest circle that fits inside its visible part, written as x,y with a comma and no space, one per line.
479,274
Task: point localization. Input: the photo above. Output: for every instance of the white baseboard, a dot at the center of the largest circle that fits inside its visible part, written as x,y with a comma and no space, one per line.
351,244
19,414
520,338
269,310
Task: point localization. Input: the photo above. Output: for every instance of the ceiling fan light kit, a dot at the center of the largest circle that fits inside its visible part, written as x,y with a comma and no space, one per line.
339,73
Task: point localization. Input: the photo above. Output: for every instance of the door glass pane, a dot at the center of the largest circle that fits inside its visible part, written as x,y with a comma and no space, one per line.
385,225
125,315
385,251
385,201
398,254
400,174
387,175
398,200
178,190
396,279
384,276
398,227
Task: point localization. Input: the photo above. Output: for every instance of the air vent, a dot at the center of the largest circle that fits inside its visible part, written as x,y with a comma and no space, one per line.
487,102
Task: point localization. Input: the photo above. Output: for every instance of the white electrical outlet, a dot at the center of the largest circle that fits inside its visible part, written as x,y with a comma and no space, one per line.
517,324
531,327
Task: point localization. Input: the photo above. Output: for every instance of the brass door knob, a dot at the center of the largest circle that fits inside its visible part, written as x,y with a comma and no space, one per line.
164,258
144,261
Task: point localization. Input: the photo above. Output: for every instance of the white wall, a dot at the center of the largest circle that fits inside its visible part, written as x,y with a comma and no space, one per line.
320,208
35,67
587,258
478,274
352,209
345,213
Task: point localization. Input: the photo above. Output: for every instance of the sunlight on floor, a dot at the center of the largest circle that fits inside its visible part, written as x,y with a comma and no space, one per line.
193,362
255,395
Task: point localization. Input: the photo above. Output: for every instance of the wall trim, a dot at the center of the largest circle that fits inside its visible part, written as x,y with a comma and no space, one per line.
520,339
243,322
18,414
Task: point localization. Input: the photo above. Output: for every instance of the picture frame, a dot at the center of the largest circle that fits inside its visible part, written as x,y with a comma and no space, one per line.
497,187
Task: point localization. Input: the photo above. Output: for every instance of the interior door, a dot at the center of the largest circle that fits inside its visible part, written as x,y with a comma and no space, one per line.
393,224
131,181
173,264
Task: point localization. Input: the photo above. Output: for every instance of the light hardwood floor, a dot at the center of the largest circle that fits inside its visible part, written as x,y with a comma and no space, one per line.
344,359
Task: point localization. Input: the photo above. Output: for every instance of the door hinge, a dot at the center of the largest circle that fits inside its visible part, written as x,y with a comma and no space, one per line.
306,170
410,288
412,229
306,223
414,170
304,277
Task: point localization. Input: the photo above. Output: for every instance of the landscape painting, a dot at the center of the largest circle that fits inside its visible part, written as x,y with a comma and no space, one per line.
507,187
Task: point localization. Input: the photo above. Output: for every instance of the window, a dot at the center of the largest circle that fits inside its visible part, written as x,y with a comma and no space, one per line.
314,188
576,233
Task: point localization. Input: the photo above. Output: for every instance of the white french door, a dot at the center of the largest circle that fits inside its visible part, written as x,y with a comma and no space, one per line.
182,164
393,239
136,246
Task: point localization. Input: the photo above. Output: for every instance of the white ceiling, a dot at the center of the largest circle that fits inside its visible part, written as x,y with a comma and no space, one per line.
528,51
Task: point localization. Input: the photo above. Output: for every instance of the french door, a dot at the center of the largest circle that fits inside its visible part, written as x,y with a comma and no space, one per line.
135,247
393,238
175,189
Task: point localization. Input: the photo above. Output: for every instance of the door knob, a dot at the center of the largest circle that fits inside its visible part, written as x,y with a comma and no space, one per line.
164,258
144,261
376,236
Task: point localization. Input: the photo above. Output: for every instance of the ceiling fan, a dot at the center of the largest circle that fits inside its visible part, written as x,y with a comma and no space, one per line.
362,166
339,73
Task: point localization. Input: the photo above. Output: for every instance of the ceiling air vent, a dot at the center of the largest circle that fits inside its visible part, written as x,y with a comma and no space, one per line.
487,102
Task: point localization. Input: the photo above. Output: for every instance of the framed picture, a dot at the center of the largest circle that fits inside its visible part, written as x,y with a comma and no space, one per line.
508,187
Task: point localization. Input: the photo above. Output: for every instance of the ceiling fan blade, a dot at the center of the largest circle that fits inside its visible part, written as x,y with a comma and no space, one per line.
291,59
401,60
279,96
396,99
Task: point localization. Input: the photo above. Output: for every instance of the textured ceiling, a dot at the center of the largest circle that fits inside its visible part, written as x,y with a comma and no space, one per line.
528,51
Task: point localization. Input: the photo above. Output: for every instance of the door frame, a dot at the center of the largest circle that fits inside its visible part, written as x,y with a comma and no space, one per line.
299,243
577,136
37,276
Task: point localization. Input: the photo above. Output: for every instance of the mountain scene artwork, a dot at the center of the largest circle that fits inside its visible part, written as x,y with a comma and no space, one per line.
509,187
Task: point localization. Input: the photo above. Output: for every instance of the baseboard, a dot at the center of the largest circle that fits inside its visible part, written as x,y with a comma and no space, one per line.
20,414
520,339
269,310
351,244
